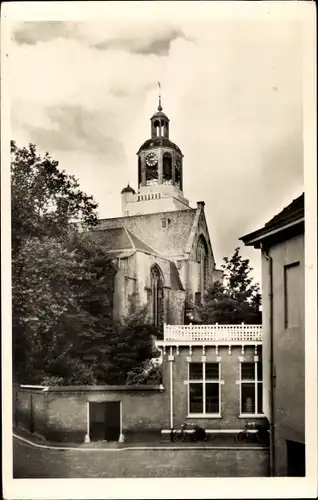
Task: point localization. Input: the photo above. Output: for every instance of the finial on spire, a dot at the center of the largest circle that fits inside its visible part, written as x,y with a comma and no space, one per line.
159,87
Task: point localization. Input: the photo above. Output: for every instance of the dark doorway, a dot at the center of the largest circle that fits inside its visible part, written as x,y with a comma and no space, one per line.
104,421
296,459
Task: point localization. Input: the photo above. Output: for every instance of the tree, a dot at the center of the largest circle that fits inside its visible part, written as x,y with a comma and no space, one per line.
44,199
62,283
237,299
62,308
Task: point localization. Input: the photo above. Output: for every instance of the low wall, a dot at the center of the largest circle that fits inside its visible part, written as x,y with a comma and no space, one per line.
61,413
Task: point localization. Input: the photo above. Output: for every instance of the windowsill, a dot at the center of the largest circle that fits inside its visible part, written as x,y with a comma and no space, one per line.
252,415
206,415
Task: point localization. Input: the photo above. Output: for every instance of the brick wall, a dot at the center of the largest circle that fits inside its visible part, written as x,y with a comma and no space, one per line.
62,414
29,410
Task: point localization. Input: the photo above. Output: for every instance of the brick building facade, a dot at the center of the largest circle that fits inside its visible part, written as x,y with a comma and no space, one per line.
213,375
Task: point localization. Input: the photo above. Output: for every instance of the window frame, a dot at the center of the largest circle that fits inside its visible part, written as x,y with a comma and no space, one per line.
287,323
157,296
203,382
202,260
256,382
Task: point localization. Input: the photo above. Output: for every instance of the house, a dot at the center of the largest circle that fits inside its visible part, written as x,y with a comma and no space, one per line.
161,246
211,376
281,242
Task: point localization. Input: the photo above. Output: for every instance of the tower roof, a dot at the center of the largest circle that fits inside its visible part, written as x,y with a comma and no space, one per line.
128,189
159,114
157,142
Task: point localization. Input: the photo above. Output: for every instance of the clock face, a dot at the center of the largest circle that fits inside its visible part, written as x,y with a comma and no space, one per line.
151,159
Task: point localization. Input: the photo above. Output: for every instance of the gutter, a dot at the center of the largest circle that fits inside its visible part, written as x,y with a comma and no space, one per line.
272,371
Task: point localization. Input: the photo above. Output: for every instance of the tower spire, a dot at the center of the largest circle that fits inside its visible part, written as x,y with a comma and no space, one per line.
159,91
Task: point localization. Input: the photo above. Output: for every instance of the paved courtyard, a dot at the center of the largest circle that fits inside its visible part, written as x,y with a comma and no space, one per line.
31,462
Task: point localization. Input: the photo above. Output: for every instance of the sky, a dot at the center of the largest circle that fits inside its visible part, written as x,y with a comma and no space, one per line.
84,90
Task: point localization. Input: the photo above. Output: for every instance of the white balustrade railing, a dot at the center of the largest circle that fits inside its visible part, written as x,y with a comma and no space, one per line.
214,332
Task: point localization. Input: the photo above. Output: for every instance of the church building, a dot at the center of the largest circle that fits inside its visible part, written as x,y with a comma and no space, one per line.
160,245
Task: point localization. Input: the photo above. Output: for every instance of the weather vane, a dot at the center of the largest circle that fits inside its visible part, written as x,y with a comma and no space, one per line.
159,91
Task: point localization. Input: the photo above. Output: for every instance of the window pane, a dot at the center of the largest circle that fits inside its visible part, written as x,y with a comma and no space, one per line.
259,371
196,371
248,371
212,404
260,397
212,371
196,398
248,398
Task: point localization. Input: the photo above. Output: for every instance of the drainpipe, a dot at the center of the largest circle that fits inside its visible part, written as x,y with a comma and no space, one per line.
171,359
272,372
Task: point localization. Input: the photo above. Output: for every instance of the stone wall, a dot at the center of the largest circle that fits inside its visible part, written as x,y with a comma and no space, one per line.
127,286
200,229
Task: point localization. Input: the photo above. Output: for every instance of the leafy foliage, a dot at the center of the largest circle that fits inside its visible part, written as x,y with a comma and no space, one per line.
145,373
62,295
237,299
130,346
44,199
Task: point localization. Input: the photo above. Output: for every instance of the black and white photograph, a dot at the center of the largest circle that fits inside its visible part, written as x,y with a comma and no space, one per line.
159,286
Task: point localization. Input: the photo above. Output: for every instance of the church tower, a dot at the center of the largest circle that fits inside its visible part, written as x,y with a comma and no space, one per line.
160,173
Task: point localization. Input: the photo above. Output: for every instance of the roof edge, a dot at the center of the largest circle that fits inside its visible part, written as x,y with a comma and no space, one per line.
252,239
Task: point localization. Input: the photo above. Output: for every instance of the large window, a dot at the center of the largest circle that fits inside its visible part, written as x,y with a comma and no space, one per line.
157,296
251,382
204,389
202,259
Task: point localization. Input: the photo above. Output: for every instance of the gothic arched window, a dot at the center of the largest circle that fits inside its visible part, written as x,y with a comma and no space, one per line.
157,296
202,259
167,167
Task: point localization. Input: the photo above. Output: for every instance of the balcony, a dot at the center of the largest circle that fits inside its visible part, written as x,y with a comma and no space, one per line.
212,334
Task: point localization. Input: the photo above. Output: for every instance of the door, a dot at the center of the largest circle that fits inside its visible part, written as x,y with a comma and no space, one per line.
104,421
112,421
296,459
